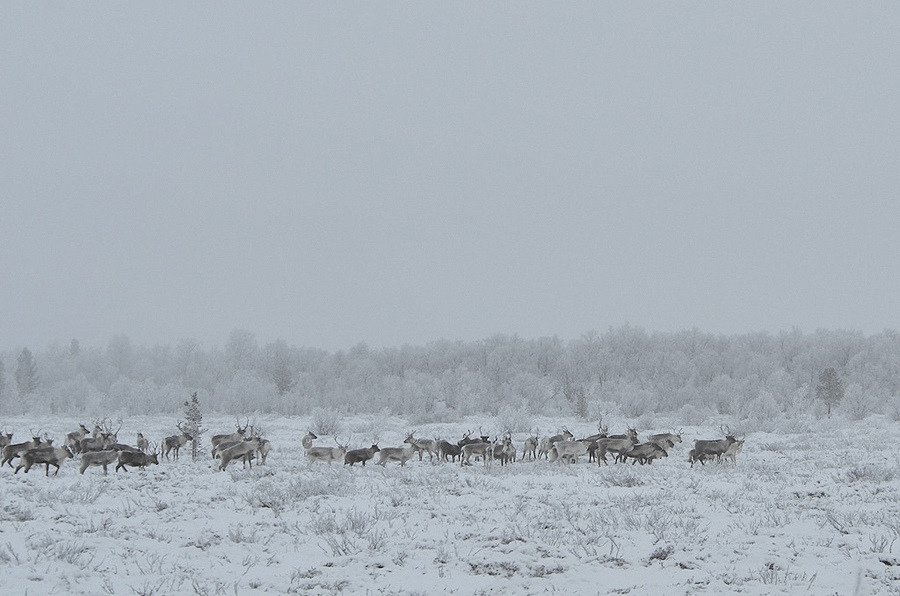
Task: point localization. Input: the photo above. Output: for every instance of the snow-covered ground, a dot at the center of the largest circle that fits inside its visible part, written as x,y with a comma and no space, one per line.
815,512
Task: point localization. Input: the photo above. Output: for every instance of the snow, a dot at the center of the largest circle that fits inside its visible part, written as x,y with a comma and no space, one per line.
815,511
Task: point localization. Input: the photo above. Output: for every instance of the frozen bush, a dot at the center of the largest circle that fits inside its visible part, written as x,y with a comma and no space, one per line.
893,408
515,420
326,422
691,415
857,403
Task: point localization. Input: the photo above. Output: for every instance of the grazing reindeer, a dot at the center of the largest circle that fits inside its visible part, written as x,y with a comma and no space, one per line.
530,448
665,440
645,453
176,442
360,455
733,450
73,439
327,454
714,447
14,450
143,444
234,437
548,442
696,456
98,458
138,459
568,451
244,450
400,454
422,445
482,448
49,456
615,445
446,449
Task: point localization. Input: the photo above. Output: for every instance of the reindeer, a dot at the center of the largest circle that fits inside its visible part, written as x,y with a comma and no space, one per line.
548,442
482,448
445,449
696,456
733,450
327,454
90,444
422,446
568,451
14,450
530,448
467,439
262,451
234,437
98,458
361,455
48,456
103,437
176,442
400,454
143,444
665,440
308,439
5,439
714,447
245,450
645,453
138,459
504,450
112,436
615,445
73,439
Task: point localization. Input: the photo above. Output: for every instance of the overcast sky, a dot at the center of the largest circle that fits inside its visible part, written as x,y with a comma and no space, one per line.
330,173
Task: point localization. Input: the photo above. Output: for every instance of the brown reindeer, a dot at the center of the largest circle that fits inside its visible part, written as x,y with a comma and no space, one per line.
138,459
14,450
98,458
49,456
237,435
174,443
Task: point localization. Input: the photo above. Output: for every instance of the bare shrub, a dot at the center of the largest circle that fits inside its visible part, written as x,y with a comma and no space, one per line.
326,422
514,420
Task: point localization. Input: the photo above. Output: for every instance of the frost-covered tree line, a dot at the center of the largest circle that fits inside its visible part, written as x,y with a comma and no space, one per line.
624,371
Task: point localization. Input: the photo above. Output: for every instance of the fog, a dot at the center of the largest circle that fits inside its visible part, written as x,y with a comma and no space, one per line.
335,173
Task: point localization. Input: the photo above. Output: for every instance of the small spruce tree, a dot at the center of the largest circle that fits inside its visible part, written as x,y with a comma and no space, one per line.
193,417
26,373
830,388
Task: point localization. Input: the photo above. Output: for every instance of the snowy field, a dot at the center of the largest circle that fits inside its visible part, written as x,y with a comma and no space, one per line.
815,512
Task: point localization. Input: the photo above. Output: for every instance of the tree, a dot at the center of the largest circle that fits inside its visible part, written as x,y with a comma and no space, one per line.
279,365
830,388
241,349
2,378
74,348
193,417
581,405
26,373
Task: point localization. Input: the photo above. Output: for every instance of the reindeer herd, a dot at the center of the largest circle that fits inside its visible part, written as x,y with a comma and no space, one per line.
101,448
562,448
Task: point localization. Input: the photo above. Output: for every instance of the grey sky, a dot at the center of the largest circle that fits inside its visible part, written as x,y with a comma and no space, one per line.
339,172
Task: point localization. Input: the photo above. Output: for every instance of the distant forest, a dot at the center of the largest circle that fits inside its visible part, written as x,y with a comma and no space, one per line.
625,371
